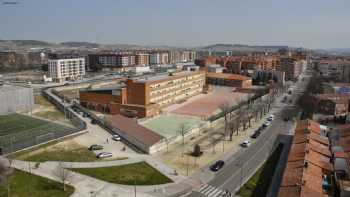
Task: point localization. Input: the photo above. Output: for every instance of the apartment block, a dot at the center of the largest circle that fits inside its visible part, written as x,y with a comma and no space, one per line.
291,66
159,58
61,70
337,69
111,60
142,59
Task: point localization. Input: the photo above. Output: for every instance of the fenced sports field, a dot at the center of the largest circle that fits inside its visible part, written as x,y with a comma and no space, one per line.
17,131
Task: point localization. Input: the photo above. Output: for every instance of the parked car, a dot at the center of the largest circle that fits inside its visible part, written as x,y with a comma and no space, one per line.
104,155
93,121
245,143
116,137
95,147
286,119
256,134
271,117
217,165
266,123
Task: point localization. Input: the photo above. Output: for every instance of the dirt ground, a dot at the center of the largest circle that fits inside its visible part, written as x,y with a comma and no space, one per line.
211,144
44,109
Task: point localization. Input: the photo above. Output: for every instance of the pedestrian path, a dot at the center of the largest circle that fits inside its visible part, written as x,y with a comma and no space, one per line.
211,191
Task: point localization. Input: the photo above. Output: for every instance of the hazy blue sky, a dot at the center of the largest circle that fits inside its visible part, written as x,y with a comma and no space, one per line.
308,23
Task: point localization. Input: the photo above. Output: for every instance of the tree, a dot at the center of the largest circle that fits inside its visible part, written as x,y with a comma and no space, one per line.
62,174
182,132
225,108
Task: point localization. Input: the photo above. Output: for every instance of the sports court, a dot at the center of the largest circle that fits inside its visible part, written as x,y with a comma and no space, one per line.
169,125
17,126
206,105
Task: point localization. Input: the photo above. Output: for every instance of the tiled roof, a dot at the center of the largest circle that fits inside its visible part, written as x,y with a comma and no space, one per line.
130,127
308,161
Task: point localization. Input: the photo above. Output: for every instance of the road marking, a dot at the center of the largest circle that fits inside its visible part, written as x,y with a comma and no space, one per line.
210,191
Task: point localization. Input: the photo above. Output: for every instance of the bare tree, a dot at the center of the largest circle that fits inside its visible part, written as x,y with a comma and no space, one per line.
5,172
62,174
232,126
182,132
225,108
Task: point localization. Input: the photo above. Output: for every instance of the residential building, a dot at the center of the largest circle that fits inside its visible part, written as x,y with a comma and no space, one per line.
111,60
291,66
309,168
228,79
332,104
61,70
336,69
142,59
159,58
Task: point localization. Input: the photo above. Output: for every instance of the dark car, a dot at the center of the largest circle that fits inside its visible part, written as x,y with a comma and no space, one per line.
256,134
95,147
217,165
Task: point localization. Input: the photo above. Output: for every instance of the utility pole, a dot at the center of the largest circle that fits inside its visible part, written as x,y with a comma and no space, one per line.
135,186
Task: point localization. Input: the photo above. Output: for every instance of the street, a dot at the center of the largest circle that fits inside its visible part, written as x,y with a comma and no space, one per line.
246,161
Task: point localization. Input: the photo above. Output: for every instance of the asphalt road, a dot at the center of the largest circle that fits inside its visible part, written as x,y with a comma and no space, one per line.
244,163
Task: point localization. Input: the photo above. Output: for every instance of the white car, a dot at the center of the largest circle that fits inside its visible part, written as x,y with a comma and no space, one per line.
271,117
116,137
104,155
245,143
267,123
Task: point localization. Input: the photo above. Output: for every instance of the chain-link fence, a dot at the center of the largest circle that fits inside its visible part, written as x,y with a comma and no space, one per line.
50,131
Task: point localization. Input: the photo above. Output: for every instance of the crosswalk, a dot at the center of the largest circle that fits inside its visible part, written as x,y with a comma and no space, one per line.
211,191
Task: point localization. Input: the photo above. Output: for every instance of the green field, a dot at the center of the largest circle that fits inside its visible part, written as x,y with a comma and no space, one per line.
19,127
130,174
23,184
168,125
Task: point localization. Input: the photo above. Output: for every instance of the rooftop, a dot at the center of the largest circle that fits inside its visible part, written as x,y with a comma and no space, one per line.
228,76
160,78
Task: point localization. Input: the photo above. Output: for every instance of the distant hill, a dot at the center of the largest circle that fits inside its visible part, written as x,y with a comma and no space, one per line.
27,42
80,44
241,47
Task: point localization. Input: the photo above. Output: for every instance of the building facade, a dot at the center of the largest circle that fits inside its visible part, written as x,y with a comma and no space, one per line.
291,66
145,97
142,59
15,98
61,70
159,58
227,79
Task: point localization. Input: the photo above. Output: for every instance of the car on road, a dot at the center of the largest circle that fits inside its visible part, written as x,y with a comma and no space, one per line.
266,123
286,119
95,147
256,134
217,165
104,155
116,137
271,117
245,143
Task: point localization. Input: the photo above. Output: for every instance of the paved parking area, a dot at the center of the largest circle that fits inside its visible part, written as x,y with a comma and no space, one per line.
206,105
97,135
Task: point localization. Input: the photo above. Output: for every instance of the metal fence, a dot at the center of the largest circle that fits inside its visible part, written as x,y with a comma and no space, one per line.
19,141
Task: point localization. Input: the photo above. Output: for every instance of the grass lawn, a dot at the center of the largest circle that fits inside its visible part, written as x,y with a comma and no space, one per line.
259,183
56,151
23,184
69,155
138,173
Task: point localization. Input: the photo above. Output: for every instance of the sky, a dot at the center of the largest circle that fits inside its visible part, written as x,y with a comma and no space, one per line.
183,23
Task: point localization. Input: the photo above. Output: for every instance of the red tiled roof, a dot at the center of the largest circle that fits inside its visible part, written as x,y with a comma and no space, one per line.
301,179
130,127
